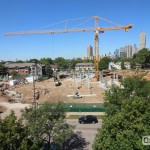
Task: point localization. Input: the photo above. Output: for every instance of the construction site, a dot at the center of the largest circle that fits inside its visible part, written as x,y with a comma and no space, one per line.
78,94
70,89
48,91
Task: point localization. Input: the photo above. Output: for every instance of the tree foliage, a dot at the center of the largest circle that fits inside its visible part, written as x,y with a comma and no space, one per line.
48,70
37,129
1,66
34,60
47,124
104,62
127,116
142,57
46,61
61,62
19,61
13,135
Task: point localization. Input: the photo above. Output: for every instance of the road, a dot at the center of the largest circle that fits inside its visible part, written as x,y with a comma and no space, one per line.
84,133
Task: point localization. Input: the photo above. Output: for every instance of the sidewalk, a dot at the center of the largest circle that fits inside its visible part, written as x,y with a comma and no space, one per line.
85,113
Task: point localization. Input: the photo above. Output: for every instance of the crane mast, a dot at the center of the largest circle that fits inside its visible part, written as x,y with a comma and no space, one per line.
96,49
96,29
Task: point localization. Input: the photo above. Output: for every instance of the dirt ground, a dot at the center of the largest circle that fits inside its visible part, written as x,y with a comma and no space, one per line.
49,92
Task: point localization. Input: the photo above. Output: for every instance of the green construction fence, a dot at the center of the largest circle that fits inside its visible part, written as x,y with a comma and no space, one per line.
84,107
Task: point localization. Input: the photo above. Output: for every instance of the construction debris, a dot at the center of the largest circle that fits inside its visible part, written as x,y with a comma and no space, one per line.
3,87
14,97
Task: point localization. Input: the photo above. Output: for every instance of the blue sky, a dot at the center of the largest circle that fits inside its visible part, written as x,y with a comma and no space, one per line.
22,15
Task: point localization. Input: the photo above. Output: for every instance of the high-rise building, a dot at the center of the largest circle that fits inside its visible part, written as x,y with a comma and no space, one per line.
116,53
134,49
90,52
127,51
122,52
142,40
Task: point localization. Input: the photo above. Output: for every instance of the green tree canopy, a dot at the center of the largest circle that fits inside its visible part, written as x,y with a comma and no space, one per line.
73,62
19,61
142,57
46,61
104,62
61,62
47,124
48,70
1,66
13,135
34,60
127,116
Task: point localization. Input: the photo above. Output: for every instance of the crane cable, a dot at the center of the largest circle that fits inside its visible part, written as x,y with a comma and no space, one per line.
64,21
81,23
110,21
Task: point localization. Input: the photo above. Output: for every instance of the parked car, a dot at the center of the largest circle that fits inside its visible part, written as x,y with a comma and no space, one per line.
88,119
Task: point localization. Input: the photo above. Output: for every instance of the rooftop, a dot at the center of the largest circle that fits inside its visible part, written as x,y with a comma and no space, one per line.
20,65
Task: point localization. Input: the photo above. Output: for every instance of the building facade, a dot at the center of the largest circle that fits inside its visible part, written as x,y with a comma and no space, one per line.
122,52
90,52
116,53
142,40
134,49
83,67
54,67
24,68
127,51
113,65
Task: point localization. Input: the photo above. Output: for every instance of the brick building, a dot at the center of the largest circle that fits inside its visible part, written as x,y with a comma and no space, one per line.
24,68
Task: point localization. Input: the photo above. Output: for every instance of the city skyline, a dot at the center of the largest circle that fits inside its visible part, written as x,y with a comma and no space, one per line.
27,15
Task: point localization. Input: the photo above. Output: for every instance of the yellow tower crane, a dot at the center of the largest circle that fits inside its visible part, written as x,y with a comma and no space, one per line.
96,29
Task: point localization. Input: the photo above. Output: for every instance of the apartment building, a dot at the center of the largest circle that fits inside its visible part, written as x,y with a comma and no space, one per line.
84,67
25,68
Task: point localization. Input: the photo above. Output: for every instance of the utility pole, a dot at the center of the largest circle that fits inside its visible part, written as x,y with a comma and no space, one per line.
34,70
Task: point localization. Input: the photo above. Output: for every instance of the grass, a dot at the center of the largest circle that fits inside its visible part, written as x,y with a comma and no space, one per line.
77,116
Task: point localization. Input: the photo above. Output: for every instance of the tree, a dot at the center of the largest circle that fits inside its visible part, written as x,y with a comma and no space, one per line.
62,63
46,61
73,63
34,60
19,61
48,70
47,124
127,117
13,135
2,69
104,62
1,66
142,57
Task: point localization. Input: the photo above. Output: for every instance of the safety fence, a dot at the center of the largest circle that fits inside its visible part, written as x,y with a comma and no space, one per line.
79,107
84,107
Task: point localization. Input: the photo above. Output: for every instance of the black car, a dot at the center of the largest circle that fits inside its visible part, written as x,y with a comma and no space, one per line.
88,119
